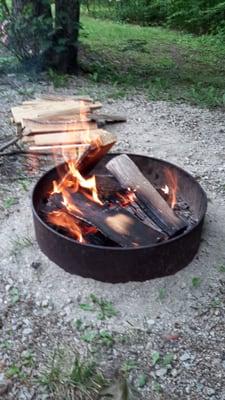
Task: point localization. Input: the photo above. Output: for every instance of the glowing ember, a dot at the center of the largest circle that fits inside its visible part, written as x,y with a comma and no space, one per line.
127,198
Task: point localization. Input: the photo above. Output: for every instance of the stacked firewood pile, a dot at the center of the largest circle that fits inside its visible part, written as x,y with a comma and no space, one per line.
55,123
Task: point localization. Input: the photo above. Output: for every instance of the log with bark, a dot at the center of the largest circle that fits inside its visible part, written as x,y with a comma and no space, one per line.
149,200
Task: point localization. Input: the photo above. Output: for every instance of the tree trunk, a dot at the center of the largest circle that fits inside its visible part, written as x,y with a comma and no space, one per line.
40,7
65,42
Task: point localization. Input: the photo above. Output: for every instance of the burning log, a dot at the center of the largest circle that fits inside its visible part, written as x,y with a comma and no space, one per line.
109,187
136,210
115,223
96,145
75,228
96,152
149,200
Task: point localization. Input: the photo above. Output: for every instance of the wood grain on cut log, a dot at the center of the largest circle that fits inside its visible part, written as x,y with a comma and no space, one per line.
83,136
51,97
129,176
94,151
115,223
74,150
32,127
49,109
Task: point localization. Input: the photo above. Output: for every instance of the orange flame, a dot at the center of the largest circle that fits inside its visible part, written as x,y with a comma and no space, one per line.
72,182
66,221
172,187
89,183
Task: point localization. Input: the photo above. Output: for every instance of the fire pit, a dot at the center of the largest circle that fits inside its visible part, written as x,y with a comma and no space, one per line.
158,241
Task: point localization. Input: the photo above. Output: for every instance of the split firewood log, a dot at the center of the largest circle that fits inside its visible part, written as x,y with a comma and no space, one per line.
147,197
32,127
79,136
49,109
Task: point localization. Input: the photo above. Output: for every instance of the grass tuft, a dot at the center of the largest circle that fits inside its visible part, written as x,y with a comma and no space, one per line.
70,377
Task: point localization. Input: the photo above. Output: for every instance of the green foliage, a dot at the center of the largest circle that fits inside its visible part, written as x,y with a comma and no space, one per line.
69,377
14,295
162,294
196,16
104,308
10,201
40,36
20,243
59,80
221,268
161,63
196,281
15,371
142,380
26,35
155,358
128,366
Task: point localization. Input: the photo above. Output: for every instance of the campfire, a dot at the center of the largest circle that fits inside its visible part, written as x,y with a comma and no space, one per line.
97,208
120,209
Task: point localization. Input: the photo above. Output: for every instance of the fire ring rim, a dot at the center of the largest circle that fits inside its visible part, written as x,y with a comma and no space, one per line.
155,245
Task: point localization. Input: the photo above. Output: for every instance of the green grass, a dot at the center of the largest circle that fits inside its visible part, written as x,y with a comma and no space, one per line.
165,64
70,379
103,307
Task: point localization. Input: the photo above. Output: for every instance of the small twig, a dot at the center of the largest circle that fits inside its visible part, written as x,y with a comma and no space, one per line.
9,143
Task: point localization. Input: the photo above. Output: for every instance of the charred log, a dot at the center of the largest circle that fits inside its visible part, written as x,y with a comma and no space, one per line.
148,198
115,222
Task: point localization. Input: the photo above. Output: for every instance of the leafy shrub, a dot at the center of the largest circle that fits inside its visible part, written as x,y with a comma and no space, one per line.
196,16
26,36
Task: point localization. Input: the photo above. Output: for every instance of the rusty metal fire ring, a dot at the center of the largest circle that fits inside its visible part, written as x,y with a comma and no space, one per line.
116,264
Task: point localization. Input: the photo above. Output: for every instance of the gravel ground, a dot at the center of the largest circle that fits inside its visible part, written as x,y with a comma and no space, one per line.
167,334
